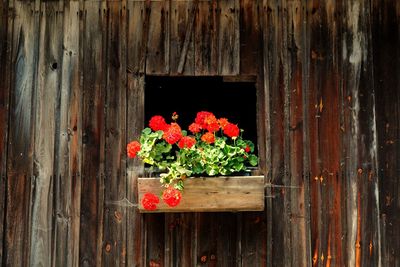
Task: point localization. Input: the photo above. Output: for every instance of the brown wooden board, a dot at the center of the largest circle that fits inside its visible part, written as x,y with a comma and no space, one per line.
45,124
135,118
183,17
278,221
228,37
236,193
158,42
24,53
205,38
114,237
136,33
67,163
4,108
92,187
324,109
386,39
298,213
250,36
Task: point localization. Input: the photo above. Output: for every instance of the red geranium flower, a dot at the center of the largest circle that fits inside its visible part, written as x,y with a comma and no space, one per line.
213,127
133,148
150,201
187,142
231,130
195,128
173,133
201,116
247,149
158,123
223,122
172,196
208,138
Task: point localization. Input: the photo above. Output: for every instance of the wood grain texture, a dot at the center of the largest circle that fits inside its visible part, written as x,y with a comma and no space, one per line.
68,161
324,110
4,115
298,214
385,39
211,194
228,37
205,39
250,32
157,43
183,17
46,98
92,183
24,53
115,227
327,119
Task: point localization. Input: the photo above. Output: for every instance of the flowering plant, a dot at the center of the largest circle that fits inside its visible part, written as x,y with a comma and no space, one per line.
211,147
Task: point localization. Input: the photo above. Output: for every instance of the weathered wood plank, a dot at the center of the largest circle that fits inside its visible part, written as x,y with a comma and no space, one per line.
183,17
324,110
305,84
5,36
46,118
136,52
274,131
68,161
211,194
295,130
368,202
228,37
92,187
386,39
266,83
250,36
356,136
135,122
115,224
251,245
156,43
205,39
154,240
136,16
24,53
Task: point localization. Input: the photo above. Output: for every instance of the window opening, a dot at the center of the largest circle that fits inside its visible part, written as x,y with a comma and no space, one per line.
235,101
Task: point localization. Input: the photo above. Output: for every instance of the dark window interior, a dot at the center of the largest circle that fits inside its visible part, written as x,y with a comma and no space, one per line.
235,101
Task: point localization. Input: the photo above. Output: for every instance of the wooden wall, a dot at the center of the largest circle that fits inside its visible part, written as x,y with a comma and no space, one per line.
72,80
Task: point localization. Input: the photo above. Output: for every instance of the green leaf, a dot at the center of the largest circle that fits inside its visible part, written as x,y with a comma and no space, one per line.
253,160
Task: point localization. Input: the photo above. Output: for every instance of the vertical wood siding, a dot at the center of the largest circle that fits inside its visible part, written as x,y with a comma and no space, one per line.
72,88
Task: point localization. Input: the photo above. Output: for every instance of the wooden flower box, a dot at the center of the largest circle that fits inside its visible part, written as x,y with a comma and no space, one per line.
211,194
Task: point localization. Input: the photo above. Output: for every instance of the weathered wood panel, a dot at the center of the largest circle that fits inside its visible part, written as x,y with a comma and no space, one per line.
328,119
68,163
298,212
205,38
45,124
115,226
386,39
228,37
24,55
158,38
250,33
93,87
223,194
324,115
183,17
4,108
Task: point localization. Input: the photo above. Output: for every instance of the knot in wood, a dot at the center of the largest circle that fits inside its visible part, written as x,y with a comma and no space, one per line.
108,248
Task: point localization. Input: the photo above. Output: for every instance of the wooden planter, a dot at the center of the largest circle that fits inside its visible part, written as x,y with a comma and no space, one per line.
233,193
